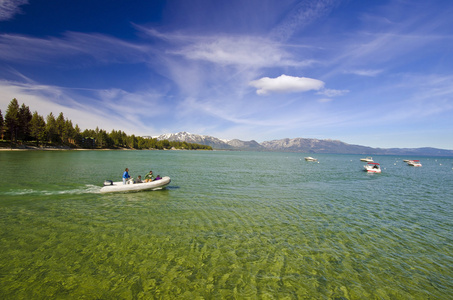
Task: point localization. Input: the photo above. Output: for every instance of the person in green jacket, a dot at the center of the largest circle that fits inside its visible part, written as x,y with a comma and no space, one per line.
149,177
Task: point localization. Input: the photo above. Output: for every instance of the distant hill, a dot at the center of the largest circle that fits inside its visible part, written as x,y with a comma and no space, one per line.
241,145
301,145
315,146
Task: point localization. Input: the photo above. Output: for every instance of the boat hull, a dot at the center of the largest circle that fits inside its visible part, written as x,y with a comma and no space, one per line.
414,163
368,159
310,159
368,170
372,168
116,187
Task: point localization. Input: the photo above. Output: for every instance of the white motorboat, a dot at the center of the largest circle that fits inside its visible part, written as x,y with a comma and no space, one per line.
368,159
414,163
309,158
372,167
112,187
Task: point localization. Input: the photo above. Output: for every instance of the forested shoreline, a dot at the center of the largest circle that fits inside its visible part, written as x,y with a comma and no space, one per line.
20,128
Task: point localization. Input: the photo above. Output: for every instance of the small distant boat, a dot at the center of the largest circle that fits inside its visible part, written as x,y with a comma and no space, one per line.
368,159
372,167
414,163
309,158
112,187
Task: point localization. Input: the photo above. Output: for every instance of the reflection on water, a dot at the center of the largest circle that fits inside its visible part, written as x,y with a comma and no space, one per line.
238,225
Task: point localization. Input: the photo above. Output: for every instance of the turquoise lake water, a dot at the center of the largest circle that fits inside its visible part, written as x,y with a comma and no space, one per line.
231,225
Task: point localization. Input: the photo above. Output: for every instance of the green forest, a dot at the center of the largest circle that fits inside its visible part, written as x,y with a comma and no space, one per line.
21,128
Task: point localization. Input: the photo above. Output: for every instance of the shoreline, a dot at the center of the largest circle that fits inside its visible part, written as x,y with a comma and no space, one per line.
32,148
29,148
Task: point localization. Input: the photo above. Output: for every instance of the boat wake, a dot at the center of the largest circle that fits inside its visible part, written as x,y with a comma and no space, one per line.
87,189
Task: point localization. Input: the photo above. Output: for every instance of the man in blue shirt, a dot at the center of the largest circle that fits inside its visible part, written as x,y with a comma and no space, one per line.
126,176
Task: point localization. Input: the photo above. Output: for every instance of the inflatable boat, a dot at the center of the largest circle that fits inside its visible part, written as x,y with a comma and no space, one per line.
112,187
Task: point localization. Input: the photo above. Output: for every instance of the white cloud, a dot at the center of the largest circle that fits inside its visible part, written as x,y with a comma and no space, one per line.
9,8
285,84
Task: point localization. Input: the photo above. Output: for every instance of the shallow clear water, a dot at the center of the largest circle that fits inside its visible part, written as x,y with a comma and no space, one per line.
231,225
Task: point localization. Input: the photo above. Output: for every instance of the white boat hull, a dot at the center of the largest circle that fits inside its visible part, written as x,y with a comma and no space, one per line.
372,168
368,159
120,187
414,163
310,158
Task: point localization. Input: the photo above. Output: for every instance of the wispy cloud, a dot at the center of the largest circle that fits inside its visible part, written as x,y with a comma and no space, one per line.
9,8
238,51
223,49
304,13
394,36
332,92
368,73
97,47
106,109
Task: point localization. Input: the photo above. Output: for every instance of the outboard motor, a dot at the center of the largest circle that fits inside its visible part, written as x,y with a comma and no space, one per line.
108,182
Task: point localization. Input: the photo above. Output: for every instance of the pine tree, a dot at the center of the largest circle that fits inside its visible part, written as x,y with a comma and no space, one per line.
1,124
77,135
24,122
12,119
51,128
61,128
38,128
69,131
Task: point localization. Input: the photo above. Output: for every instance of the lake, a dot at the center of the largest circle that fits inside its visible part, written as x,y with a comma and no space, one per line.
231,225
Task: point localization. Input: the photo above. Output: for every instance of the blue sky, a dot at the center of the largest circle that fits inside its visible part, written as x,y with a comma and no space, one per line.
373,73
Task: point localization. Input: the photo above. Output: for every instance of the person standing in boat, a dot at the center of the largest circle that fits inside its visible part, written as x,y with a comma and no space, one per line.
126,175
149,177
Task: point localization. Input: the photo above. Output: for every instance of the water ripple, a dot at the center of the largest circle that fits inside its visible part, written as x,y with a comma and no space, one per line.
233,225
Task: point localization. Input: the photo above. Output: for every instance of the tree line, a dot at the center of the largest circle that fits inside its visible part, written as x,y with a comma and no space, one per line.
21,127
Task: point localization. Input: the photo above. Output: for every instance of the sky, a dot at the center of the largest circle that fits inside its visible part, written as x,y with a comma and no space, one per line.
366,72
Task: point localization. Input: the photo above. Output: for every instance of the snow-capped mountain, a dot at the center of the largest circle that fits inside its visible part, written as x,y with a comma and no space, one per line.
196,138
302,145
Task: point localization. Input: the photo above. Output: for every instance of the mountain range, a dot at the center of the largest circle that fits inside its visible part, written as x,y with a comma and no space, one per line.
302,145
